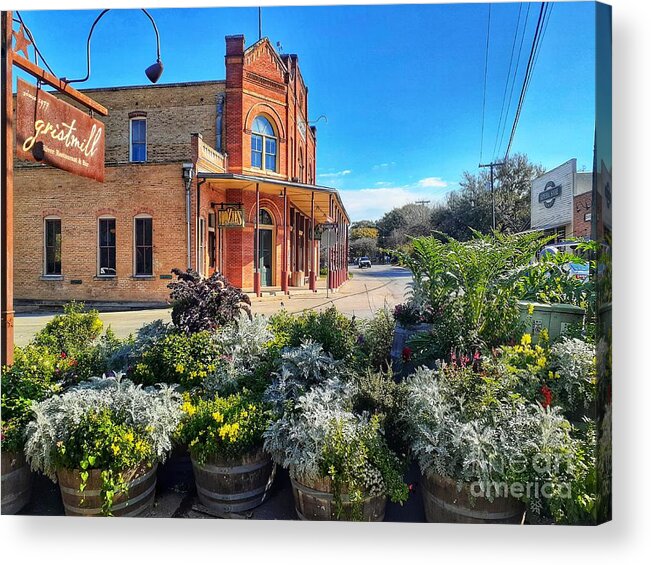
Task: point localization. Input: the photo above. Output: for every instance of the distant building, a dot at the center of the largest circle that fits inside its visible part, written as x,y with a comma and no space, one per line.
252,209
561,202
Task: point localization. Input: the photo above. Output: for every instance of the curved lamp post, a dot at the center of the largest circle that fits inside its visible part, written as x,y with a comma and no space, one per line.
153,72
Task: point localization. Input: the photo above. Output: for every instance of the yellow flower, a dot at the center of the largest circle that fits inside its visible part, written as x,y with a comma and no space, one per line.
129,437
542,361
115,448
544,335
526,339
244,414
188,408
530,309
219,418
179,368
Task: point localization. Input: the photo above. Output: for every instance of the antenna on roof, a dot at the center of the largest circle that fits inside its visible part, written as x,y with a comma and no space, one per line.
259,23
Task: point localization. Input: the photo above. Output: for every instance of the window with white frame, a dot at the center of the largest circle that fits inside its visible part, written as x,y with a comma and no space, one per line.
201,247
52,246
263,144
106,247
138,140
143,246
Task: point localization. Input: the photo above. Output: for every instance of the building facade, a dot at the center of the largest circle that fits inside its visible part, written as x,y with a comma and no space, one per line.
213,176
561,202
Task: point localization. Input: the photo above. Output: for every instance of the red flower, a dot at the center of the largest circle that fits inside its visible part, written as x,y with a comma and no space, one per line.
406,354
63,355
547,393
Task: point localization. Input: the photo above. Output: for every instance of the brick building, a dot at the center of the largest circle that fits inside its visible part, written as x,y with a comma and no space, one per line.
216,176
561,202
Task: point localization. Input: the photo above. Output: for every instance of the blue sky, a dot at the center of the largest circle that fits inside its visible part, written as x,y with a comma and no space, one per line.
402,86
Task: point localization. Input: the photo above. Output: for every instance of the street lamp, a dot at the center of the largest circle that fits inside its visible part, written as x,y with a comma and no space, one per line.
188,175
153,72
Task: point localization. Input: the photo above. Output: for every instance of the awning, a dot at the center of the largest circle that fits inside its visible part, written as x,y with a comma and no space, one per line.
300,194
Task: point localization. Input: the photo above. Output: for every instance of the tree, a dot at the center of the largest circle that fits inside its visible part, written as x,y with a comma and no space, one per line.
363,247
363,232
400,224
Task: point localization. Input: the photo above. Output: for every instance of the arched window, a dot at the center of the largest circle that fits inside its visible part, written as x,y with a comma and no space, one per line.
263,144
265,218
300,165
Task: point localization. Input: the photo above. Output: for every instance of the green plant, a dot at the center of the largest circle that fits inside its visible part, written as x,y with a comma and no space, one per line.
470,288
335,332
470,424
200,304
108,424
223,427
72,331
181,358
35,374
376,339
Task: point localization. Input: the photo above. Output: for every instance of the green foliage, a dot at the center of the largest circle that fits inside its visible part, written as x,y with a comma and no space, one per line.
108,424
376,340
71,332
223,427
358,462
180,358
470,289
34,376
334,331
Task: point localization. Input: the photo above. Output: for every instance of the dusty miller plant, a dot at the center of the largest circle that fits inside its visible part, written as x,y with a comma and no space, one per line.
574,364
244,348
155,412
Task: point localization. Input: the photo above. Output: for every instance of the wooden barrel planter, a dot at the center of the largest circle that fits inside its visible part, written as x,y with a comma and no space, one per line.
16,482
234,485
314,500
136,500
444,503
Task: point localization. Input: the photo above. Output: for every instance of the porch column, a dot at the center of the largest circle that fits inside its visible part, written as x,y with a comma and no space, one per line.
283,274
256,244
312,270
331,251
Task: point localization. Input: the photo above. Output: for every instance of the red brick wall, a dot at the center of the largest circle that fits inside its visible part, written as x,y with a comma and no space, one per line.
582,206
128,190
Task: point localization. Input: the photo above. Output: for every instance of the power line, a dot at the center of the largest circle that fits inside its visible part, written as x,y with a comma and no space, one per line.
515,74
483,108
508,79
527,76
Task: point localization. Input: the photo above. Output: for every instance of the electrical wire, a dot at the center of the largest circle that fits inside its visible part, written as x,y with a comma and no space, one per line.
483,108
508,80
515,74
527,77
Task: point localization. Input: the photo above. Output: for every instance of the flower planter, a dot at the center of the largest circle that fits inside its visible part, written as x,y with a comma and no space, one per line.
444,503
400,337
136,500
234,485
314,500
16,482
556,318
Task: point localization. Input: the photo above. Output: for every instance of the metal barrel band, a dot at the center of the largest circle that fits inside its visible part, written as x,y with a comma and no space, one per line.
130,502
93,492
476,514
239,496
232,470
322,494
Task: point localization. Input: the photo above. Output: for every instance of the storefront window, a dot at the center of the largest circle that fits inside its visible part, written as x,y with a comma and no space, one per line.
106,251
52,246
144,248
263,145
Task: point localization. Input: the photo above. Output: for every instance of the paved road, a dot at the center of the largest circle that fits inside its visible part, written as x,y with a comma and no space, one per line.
368,291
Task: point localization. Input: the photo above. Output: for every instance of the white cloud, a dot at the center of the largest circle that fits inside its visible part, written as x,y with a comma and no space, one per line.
383,166
432,182
334,175
373,203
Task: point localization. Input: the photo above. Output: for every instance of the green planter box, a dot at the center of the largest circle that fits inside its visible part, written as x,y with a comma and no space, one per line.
556,318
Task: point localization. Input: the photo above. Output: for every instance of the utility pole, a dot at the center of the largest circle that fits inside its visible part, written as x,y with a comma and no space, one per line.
423,202
492,166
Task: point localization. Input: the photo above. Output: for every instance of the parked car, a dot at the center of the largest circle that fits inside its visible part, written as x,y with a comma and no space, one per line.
579,268
364,262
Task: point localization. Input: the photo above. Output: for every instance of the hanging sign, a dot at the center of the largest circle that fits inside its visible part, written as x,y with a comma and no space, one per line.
51,131
231,217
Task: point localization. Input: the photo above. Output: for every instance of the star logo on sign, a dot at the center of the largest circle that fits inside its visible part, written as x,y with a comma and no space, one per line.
21,41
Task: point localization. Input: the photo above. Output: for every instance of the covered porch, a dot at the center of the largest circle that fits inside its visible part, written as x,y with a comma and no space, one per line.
263,233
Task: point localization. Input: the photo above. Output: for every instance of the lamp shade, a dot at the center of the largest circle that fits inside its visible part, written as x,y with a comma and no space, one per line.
154,71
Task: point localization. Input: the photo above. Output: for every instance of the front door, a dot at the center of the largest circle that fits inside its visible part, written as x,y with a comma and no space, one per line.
266,257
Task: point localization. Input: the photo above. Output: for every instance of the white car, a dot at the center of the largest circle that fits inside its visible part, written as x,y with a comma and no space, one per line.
364,262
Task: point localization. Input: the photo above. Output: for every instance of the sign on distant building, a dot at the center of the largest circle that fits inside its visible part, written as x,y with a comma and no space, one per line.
552,195
49,130
231,217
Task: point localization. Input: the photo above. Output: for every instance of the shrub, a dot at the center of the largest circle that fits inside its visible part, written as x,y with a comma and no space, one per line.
248,356
186,359
223,427
108,424
377,338
335,332
470,425
408,314
71,332
200,304
35,375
